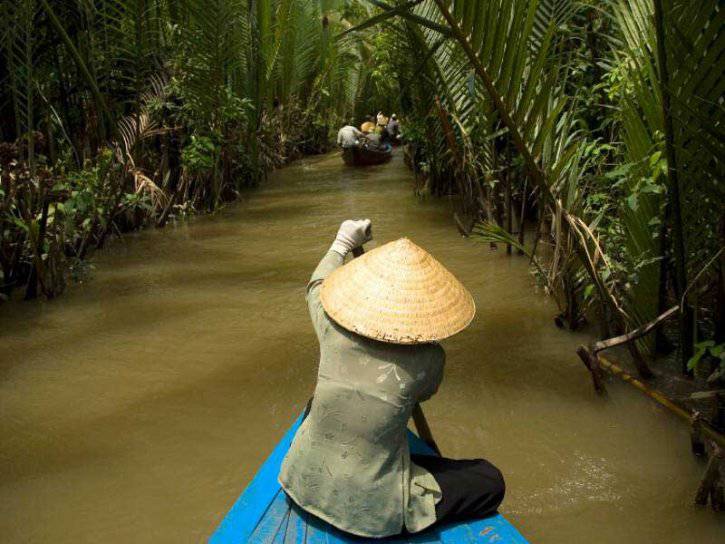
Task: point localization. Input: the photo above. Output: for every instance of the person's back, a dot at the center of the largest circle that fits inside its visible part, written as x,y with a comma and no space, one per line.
374,141
348,136
349,463
393,126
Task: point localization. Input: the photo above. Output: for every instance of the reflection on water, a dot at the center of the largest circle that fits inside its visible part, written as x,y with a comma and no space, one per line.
137,407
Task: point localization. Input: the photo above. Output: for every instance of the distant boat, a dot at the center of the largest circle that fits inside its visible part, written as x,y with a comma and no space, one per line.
264,515
366,156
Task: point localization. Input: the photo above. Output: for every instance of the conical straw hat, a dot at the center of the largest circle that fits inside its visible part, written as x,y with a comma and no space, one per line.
398,293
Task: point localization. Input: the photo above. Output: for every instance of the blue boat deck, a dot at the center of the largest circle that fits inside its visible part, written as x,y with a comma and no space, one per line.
263,514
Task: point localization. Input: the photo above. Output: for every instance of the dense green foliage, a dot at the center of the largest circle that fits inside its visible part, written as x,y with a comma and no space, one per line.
121,113
599,122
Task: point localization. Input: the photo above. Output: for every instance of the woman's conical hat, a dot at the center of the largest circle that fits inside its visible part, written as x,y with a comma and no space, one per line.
397,293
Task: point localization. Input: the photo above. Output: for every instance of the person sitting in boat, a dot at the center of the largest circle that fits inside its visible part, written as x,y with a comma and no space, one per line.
393,128
373,141
381,121
368,127
349,136
385,137
378,320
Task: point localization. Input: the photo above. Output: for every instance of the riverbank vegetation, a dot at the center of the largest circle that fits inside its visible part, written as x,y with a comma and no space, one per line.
600,124
118,114
586,135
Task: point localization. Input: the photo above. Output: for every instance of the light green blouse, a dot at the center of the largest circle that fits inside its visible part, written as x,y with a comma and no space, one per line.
349,462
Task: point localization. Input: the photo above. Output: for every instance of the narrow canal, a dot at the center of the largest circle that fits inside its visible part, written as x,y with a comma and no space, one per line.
137,407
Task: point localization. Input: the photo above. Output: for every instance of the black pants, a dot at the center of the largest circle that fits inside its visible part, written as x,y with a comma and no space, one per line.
471,488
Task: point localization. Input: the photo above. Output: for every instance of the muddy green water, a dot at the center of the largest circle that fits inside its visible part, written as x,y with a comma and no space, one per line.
136,407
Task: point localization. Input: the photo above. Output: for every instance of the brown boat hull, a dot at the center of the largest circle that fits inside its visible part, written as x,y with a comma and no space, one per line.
360,156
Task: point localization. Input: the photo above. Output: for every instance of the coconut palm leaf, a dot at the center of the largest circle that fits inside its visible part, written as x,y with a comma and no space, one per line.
694,42
501,58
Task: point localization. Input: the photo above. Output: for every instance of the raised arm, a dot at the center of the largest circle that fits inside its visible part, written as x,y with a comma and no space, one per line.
351,235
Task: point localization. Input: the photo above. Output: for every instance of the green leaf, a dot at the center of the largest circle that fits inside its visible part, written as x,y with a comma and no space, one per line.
654,158
619,172
701,348
632,201
694,360
20,223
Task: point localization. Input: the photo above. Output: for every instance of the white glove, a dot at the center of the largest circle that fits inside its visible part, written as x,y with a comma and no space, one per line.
352,234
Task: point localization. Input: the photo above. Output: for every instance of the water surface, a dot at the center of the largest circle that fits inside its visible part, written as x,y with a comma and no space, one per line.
136,407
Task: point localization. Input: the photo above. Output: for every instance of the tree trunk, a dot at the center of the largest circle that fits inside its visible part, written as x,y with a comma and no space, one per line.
720,295
522,217
678,242
507,198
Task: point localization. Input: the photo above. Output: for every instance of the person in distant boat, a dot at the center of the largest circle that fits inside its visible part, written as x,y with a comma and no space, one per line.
348,136
368,127
393,128
378,320
385,136
373,141
381,120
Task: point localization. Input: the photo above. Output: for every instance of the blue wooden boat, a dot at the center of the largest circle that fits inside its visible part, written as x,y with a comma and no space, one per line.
264,515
